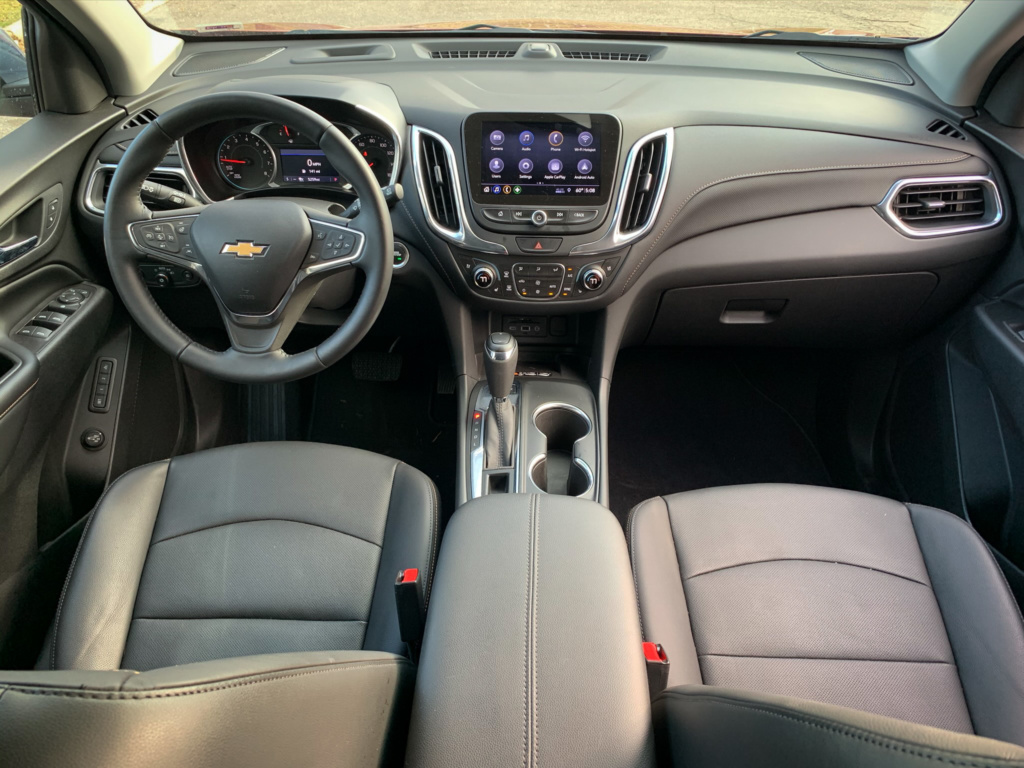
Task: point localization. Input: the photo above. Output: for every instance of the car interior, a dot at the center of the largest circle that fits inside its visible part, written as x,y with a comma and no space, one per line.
500,393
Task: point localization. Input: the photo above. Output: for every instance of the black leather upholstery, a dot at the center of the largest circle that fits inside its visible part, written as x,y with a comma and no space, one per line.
835,597
346,709
532,653
249,549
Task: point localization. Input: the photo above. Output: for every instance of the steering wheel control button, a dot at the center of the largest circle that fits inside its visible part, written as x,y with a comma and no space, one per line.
581,216
538,244
539,218
593,278
93,439
484,276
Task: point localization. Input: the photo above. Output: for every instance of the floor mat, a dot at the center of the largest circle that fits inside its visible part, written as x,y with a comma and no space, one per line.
385,398
686,419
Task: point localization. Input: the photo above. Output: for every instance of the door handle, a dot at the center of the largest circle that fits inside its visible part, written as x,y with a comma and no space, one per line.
11,252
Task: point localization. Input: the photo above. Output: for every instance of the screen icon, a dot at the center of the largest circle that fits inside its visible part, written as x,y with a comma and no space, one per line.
506,189
496,165
554,165
526,138
517,190
584,166
525,165
497,138
497,189
555,138
586,139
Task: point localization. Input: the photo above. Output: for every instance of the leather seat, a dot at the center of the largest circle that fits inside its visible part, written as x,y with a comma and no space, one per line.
822,595
243,550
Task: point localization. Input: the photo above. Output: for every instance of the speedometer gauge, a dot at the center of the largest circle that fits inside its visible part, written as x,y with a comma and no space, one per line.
379,153
246,161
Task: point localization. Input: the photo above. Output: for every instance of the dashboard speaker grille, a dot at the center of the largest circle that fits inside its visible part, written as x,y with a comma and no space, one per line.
607,55
473,54
436,173
919,205
644,181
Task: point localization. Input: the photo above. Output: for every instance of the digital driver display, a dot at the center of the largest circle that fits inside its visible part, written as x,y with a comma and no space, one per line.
307,166
539,158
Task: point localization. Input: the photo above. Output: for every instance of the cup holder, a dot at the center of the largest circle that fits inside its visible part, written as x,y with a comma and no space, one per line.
558,471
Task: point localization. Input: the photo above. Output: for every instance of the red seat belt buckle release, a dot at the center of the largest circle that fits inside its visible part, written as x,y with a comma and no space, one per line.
412,609
657,668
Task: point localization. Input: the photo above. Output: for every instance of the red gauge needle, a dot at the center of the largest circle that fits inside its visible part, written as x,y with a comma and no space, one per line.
236,162
286,131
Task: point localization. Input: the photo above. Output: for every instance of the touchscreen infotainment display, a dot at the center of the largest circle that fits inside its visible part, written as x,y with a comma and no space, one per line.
539,158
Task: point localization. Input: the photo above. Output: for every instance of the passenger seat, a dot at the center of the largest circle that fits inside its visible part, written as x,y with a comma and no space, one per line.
782,595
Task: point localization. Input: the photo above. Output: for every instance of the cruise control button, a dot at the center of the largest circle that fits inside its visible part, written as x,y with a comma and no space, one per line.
582,216
497,214
538,244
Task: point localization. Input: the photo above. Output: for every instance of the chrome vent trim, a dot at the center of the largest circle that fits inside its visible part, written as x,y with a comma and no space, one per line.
943,128
438,178
607,56
473,54
430,151
644,186
943,205
145,117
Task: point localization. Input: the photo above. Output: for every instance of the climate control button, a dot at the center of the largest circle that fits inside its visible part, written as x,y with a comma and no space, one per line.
592,278
484,276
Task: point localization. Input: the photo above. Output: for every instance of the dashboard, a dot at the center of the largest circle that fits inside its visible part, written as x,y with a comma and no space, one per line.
705,203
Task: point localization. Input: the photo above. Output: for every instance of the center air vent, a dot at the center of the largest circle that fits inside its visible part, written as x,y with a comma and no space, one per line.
606,55
646,178
437,182
473,54
943,206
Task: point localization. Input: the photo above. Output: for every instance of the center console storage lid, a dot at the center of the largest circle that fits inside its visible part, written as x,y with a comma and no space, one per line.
532,654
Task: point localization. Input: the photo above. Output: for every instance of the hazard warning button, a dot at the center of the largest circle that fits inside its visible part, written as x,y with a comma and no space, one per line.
539,244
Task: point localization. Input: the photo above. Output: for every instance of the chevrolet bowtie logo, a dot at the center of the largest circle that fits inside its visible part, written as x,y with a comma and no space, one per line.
245,249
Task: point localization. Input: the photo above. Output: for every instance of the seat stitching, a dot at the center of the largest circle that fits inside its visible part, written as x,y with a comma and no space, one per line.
806,560
380,556
78,550
694,193
263,520
526,641
130,695
533,650
682,581
886,742
632,565
823,658
244,618
435,502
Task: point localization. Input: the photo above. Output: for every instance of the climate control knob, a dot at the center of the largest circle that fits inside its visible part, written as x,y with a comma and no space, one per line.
484,276
592,278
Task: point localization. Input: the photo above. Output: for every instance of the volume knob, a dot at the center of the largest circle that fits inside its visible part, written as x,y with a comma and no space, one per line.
484,276
592,278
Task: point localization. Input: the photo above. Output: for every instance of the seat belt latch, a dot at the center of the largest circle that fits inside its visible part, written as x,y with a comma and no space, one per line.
412,610
657,668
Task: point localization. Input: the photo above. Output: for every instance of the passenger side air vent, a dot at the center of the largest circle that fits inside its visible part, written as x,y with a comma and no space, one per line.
472,54
145,117
607,55
646,177
437,183
943,206
942,128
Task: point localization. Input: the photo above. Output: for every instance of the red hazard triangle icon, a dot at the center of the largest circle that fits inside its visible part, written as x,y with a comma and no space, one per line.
538,246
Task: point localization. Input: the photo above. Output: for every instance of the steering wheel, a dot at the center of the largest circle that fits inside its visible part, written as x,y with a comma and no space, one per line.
262,259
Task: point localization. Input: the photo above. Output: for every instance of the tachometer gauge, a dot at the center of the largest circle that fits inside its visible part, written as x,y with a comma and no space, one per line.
246,161
379,153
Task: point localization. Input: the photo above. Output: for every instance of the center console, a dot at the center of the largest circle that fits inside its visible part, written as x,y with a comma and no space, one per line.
539,208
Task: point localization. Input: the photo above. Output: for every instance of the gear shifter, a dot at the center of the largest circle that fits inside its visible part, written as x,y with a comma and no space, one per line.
501,353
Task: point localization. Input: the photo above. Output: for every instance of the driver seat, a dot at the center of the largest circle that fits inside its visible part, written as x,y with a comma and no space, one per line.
233,607
248,549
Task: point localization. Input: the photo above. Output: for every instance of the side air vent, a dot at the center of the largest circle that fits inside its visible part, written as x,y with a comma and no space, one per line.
943,206
473,54
99,184
439,193
606,55
646,177
145,117
942,128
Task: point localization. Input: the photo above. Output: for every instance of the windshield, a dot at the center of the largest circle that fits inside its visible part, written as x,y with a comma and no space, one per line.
908,19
